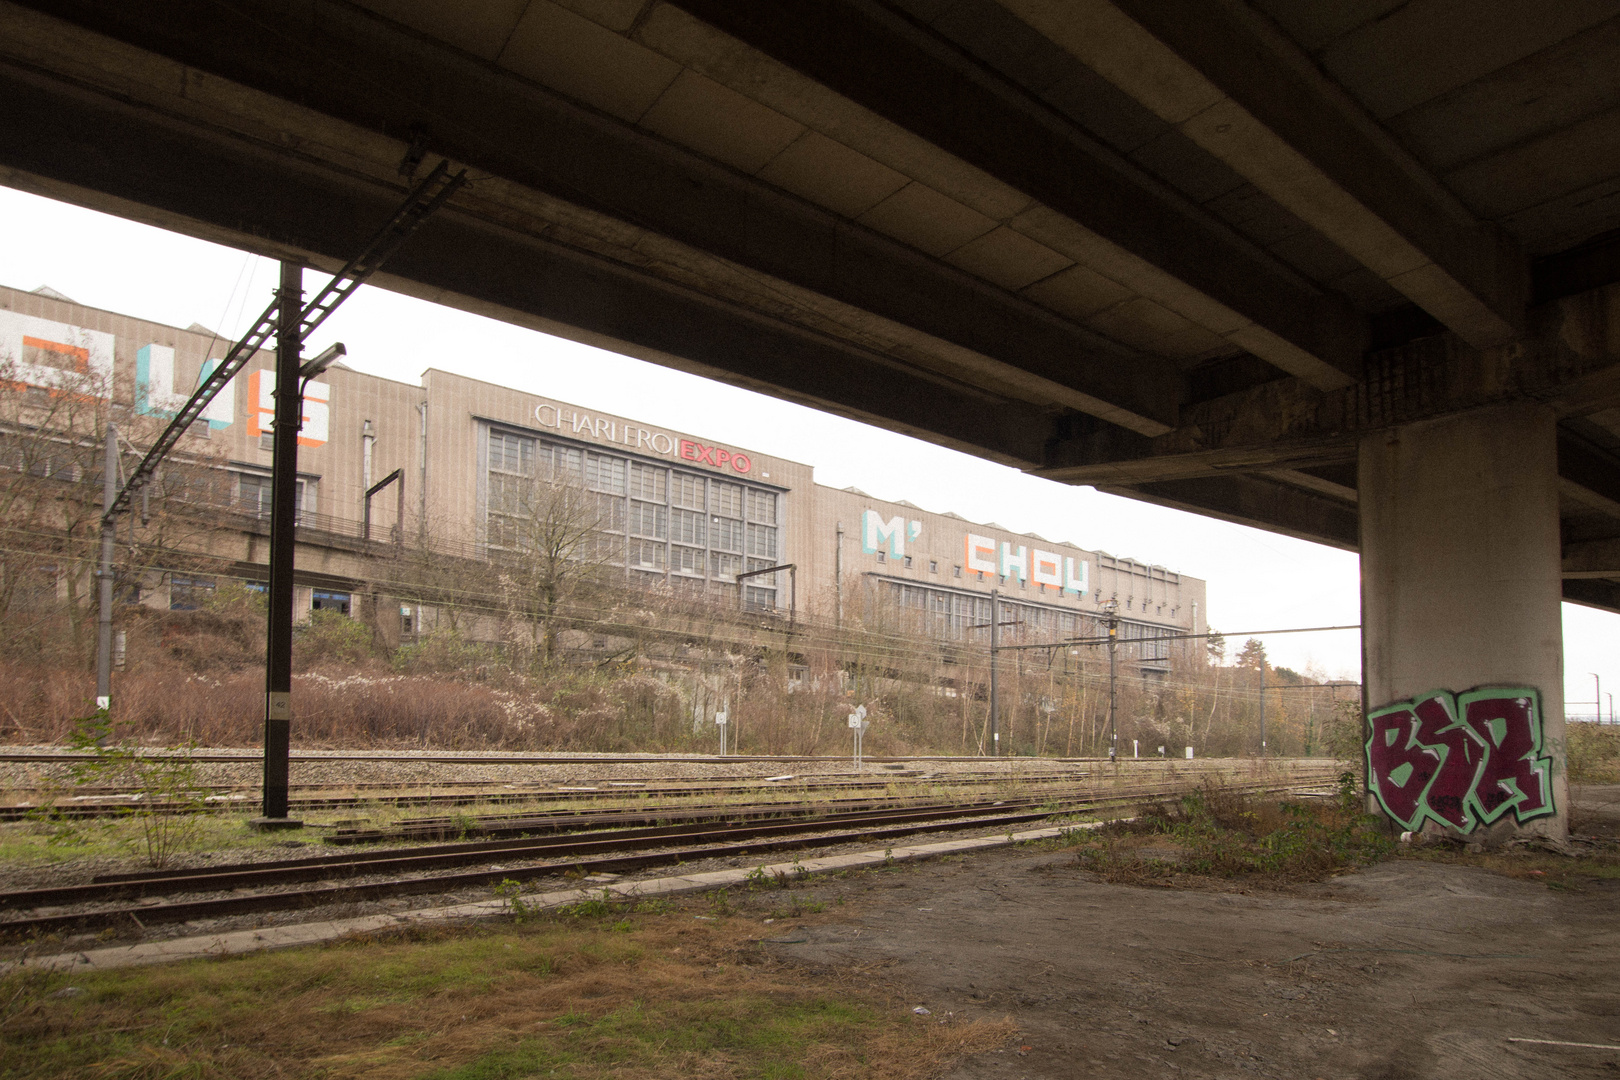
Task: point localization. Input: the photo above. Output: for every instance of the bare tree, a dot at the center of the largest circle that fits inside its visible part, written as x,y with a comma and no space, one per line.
52,457
547,546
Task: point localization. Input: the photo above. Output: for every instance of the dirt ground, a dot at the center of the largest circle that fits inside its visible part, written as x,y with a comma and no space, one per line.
1408,969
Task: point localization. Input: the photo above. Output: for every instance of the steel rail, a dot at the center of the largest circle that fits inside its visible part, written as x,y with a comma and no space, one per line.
90,809
210,879
94,809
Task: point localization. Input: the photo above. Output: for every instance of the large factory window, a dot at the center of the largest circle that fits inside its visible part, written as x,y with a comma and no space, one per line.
762,506
687,527
648,482
725,499
648,555
728,534
724,566
762,540
685,560
651,519
687,490
253,494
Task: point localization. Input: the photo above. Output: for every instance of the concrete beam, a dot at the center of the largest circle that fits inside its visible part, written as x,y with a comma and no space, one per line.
1588,475
1258,502
1572,364
346,63
911,77
1592,559
83,147
1600,594
1233,83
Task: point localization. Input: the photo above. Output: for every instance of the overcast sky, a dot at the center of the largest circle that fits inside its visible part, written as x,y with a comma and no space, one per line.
1257,580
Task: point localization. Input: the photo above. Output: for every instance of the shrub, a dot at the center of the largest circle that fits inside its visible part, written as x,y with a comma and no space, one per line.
332,637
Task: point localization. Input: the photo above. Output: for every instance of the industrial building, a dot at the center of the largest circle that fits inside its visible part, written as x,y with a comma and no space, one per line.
445,462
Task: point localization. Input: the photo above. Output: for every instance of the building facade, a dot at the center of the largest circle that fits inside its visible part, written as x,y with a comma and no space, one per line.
446,464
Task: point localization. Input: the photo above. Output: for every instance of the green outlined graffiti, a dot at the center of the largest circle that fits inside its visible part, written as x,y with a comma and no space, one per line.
1461,760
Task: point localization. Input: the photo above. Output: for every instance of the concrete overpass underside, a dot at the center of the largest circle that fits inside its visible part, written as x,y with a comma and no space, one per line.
1220,255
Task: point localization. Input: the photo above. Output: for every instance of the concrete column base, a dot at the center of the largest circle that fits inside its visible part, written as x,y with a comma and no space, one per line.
274,824
1462,632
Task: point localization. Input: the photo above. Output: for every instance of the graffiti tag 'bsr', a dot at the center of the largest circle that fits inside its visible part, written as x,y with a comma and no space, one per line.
1463,760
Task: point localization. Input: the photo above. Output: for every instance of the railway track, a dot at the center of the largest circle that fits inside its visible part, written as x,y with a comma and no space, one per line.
257,888
99,801
111,802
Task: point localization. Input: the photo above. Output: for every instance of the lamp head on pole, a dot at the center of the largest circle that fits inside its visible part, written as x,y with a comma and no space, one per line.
315,365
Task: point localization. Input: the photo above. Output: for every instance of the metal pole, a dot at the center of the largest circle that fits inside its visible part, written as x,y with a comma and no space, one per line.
1113,682
1262,706
109,492
995,650
283,510
838,579
1597,692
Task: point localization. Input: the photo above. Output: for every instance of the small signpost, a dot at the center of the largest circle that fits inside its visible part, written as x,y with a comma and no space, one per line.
720,722
858,723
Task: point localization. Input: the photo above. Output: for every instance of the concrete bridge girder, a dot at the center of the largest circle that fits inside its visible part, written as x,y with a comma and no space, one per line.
1205,254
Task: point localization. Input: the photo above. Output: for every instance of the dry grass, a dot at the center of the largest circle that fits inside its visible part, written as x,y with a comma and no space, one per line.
1594,753
649,994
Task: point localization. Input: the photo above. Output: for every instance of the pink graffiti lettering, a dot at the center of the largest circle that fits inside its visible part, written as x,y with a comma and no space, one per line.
1459,761
1515,776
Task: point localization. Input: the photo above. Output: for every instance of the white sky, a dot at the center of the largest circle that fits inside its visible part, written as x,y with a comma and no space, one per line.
1257,580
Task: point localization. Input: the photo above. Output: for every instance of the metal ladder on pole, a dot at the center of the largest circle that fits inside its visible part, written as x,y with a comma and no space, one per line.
420,204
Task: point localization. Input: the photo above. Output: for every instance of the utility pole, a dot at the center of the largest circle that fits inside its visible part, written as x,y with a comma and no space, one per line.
995,652
1112,610
104,572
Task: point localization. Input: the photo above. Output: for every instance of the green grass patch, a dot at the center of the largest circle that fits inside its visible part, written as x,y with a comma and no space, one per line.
588,995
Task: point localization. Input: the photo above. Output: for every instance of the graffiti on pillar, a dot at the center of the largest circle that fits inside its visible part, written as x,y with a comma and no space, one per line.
1462,760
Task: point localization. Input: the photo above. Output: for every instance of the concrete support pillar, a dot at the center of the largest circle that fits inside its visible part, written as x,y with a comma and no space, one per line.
1461,623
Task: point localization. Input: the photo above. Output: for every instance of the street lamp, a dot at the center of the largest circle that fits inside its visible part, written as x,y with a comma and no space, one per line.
1597,694
315,366
1111,609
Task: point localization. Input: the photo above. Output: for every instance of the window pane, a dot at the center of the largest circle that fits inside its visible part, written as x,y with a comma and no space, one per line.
723,566
648,554
563,462
687,527
762,507
728,535
762,540
610,512
603,473
685,560
687,490
649,519
610,549
725,499
648,481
